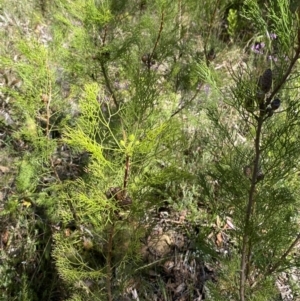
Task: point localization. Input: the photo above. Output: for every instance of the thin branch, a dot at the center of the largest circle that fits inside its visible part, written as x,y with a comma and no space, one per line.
273,269
104,36
187,102
103,69
48,112
284,255
108,85
249,211
47,100
109,263
126,175
157,38
286,75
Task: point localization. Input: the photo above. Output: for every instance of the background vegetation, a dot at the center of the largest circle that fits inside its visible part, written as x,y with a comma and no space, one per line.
149,150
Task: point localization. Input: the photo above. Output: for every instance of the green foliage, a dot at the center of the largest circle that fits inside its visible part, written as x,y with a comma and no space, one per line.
283,25
25,177
232,22
118,109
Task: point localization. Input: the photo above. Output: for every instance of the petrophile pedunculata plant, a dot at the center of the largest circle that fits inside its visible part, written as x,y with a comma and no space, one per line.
256,172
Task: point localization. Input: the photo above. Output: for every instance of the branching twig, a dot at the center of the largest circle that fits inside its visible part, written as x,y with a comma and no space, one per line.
104,71
285,76
148,57
288,71
158,37
108,85
284,255
275,266
109,263
126,174
104,36
47,98
187,102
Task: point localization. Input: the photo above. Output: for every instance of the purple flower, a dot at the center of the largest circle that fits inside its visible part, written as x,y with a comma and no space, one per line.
273,58
273,36
258,47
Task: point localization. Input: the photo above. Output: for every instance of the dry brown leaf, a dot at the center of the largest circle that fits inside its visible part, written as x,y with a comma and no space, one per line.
182,216
4,237
67,232
179,241
230,224
219,239
180,288
168,266
210,235
45,98
87,243
4,169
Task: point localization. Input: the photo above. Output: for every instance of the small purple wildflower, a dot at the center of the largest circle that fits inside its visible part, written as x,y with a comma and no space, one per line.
272,58
275,58
273,36
258,47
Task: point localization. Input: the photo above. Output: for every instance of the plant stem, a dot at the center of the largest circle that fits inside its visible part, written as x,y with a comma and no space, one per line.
251,202
157,39
108,85
109,263
285,76
104,72
159,33
126,174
